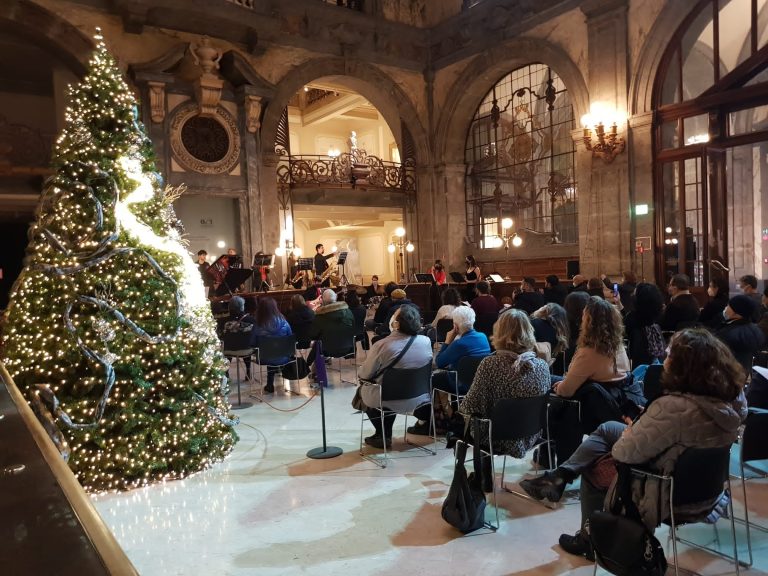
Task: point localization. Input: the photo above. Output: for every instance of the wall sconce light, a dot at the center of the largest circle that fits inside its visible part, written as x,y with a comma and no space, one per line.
333,152
603,144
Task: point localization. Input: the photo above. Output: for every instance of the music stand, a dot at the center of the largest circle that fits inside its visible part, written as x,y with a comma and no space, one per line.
340,262
235,277
457,277
304,264
261,260
424,278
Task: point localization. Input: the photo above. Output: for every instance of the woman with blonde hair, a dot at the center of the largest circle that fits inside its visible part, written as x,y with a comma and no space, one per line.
513,371
598,377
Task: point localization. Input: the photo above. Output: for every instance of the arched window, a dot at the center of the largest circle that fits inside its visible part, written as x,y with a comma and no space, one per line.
520,159
711,141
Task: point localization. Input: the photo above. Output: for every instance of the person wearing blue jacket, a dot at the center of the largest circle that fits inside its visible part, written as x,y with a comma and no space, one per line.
462,340
270,322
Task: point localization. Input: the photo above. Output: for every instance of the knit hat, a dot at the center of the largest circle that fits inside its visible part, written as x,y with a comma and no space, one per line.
743,305
398,294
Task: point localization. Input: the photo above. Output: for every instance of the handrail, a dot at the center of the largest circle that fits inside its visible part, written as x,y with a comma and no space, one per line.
111,554
356,169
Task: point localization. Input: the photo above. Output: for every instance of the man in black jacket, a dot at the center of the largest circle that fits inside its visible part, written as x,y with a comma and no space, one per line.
529,300
554,291
683,309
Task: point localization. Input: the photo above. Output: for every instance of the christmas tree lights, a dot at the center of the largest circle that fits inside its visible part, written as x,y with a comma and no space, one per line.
108,323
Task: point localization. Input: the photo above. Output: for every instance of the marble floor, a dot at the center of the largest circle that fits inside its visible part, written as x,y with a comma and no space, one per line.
269,510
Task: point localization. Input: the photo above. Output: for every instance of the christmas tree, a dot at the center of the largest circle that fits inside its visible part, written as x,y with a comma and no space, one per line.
109,321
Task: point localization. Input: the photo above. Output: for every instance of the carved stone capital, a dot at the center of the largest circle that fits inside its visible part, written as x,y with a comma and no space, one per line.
252,113
208,93
157,101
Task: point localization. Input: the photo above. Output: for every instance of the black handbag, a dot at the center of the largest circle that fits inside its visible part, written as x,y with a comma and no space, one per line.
623,544
296,371
464,507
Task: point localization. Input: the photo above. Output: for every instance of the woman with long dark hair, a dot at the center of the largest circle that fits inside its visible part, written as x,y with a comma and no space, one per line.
598,377
472,276
646,342
270,323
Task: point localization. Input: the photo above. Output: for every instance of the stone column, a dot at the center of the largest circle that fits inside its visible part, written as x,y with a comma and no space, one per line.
604,223
427,226
450,222
265,226
640,150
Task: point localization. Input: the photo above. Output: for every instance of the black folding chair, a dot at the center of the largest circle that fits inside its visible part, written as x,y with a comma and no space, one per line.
754,448
441,330
511,419
701,475
273,348
400,384
237,345
342,346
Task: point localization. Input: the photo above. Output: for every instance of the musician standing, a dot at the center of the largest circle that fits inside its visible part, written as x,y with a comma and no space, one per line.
320,263
202,265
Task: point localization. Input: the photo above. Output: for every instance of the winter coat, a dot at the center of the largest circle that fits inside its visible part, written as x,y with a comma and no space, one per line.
744,339
335,326
671,424
279,327
301,320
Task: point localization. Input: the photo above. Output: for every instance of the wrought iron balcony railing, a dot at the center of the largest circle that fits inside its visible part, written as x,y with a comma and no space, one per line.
358,170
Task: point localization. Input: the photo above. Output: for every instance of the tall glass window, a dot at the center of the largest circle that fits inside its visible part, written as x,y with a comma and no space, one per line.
520,158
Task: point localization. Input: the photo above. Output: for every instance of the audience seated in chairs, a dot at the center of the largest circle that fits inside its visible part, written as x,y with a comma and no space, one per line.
270,322
513,371
550,328
460,342
739,332
554,291
300,318
406,324
333,321
598,377
641,326
702,407
398,298
239,323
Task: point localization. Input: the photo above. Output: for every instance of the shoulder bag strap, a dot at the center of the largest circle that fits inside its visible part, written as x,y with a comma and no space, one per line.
395,361
476,453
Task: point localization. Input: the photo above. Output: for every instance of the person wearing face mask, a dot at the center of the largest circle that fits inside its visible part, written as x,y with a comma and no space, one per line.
375,289
739,332
711,315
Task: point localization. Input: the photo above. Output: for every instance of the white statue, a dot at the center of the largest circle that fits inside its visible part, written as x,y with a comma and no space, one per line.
352,141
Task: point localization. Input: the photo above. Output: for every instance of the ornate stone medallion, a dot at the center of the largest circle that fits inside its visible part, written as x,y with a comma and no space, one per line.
208,145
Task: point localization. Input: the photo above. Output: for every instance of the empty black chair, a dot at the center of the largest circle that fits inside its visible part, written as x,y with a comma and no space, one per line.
511,419
442,328
484,323
341,345
237,345
401,384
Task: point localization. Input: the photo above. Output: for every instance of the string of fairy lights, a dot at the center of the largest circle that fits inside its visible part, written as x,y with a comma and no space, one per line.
108,322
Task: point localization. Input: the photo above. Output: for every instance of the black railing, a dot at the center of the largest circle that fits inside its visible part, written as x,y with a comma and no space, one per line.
351,4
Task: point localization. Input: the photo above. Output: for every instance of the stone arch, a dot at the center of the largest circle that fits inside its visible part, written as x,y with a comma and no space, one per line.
48,30
376,86
482,74
657,41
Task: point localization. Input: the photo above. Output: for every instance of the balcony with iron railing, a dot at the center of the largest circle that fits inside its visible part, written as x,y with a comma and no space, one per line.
348,170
